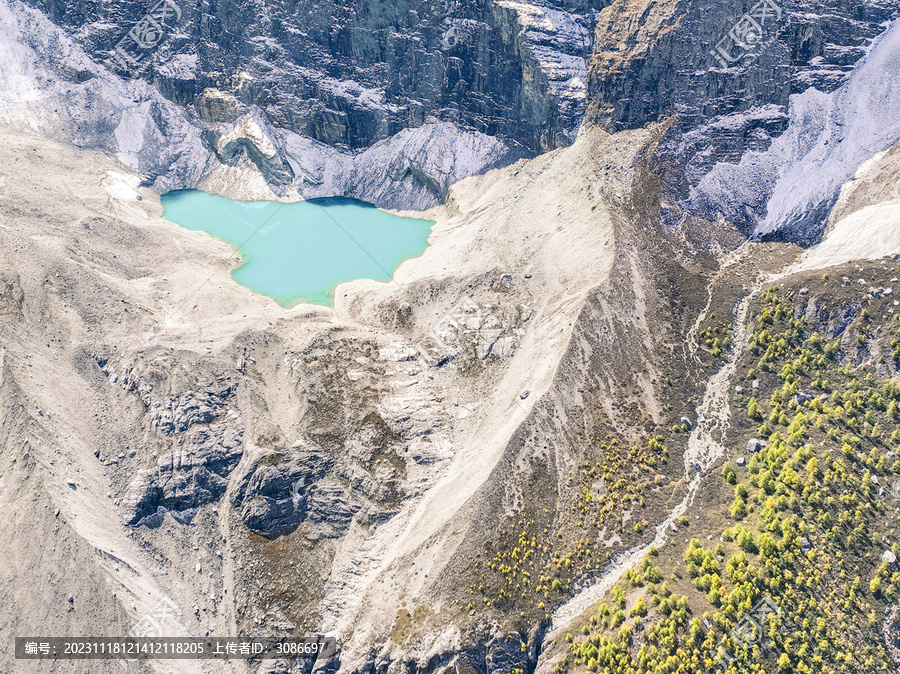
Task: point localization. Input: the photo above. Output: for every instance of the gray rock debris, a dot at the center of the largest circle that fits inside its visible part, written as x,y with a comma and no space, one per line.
203,439
280,490
177,414
195,473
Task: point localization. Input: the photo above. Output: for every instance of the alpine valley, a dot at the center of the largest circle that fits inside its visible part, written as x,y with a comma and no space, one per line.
635,409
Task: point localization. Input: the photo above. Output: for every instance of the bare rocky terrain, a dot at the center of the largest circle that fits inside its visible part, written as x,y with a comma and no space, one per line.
199,405
319,476
451,471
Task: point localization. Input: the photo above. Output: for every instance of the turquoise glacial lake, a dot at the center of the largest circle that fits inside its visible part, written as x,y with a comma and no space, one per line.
299,252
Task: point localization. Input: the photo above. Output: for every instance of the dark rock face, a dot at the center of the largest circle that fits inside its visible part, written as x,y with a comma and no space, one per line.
349,472
203,439
679,60
277,491
802,45
393,103
351,74
371,100
195,474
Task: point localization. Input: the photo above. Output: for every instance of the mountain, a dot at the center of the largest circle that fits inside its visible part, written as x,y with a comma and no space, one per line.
659,392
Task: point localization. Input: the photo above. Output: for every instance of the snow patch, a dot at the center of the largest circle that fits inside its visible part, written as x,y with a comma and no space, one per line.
869,233
130,133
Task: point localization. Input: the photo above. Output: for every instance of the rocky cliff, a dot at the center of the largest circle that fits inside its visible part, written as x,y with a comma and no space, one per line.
733,78
296,93
393,104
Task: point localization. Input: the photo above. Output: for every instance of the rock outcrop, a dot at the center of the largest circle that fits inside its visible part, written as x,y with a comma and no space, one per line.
428,95
728,101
